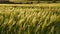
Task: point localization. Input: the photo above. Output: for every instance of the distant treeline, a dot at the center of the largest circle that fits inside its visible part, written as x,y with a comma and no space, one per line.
29,1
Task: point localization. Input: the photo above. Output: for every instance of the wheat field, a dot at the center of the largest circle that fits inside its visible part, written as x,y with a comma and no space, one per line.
29,20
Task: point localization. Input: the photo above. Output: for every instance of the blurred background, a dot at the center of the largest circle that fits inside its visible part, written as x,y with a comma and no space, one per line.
29,1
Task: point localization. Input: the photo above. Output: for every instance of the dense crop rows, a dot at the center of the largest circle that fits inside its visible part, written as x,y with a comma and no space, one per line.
19,20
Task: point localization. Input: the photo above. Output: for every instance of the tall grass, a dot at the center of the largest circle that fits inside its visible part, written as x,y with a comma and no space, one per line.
19,20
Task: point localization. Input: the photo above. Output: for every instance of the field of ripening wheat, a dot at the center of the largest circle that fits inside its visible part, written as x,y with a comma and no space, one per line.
29,20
